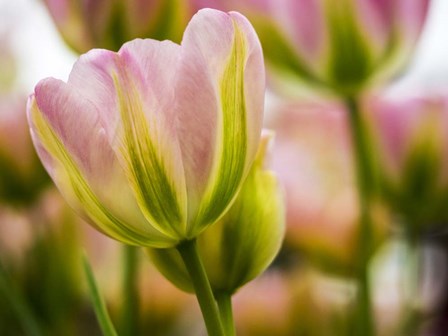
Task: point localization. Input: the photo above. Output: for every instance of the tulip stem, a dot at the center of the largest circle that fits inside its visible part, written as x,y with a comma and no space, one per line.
130,303
224,301
365,181
190,255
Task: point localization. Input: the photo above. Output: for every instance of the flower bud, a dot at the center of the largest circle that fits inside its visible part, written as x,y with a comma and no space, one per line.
244,241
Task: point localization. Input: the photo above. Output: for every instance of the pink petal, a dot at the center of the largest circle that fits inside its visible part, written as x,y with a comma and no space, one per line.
77,125
206,49
136,86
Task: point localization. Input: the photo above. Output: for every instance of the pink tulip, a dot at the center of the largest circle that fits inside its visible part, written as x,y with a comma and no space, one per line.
152,143
412,137
342,45
87,24
312,157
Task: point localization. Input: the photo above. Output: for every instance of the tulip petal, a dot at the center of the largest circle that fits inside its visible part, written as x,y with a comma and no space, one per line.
149,143
220,103
72,145
133,91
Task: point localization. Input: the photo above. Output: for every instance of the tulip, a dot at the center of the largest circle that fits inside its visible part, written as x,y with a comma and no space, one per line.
151,144
412,138
245,240
343,45
313,159
108,24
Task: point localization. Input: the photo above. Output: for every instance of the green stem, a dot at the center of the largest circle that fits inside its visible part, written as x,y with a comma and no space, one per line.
130,297
99,306
411,283
189,253
365,182
224,301
18,304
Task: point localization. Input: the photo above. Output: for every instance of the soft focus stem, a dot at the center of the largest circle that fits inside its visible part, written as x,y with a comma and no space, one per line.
189,253
18,304
130,303
224,301
411,284
365,179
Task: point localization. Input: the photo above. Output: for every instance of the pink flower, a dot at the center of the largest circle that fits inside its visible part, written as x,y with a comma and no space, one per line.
342,45
312,157
152,143
412,137
87,24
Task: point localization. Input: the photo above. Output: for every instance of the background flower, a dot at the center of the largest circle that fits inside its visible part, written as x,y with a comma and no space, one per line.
342,45
412,137
312,157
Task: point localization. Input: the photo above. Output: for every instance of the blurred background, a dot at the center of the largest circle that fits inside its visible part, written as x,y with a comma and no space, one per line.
310,288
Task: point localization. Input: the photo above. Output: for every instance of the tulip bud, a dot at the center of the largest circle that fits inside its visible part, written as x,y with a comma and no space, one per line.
151,144
412,136
244,241
338,45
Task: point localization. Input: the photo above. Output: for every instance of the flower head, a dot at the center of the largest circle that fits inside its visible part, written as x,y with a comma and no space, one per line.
338,45
412,138
312,156
152,143
87,24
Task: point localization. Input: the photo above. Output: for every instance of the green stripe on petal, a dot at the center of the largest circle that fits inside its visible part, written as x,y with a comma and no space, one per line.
147,171
230,164
101,217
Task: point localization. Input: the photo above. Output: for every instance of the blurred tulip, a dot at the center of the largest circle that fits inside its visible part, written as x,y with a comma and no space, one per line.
87,24
342,45
412,136
22,176
312,156
152,143
243,242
